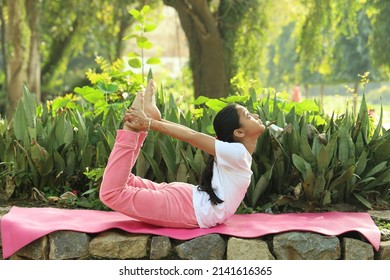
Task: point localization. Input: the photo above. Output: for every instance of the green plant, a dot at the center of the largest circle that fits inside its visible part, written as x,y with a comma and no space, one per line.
144,24
382,224
51,148
338,165
316,162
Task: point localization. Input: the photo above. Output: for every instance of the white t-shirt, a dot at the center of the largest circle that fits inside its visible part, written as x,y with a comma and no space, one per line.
231,178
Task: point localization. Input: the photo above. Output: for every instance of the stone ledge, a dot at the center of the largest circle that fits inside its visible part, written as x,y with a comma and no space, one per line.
117,244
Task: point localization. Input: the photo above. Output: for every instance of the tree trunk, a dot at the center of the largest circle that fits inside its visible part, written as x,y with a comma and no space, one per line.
3,38
34,64
61,52
206,48
17,61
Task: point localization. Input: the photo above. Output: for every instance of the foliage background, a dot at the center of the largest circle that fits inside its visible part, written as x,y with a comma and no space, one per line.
325,156
277,44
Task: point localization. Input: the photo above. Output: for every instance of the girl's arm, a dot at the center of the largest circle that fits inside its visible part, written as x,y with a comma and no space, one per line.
137,120
197,139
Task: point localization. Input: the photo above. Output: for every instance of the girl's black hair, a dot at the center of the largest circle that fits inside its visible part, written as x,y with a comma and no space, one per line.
225,122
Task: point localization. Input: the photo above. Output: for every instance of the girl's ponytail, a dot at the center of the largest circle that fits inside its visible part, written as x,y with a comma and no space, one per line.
205,182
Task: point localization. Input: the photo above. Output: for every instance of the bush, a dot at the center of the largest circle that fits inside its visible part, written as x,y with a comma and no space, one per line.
317,161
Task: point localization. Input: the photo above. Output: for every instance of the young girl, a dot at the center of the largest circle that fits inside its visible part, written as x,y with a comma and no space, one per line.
224,182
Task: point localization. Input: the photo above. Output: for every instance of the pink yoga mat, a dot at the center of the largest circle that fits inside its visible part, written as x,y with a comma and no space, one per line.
21,226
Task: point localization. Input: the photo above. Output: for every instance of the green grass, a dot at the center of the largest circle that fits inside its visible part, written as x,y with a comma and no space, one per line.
382,224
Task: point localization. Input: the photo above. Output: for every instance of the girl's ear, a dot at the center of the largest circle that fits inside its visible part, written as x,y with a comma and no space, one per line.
238,133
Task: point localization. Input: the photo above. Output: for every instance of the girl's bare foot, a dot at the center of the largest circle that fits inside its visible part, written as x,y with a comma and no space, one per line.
150,107
138,102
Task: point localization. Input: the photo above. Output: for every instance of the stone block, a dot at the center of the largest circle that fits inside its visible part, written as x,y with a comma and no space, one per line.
66,245
119,245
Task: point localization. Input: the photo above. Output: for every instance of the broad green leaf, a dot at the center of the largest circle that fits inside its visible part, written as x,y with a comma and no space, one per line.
346,175
382,151
308,105
153,60
364,201
201,100
261,186
20,125
299,163
181,175
293,141
41,159
87,157
35,176
377,169
315,146
60,103
145,9
169,155
133,54
107,88
29,105
236,99
135,13
306,151
308,184
319,185
343,152
155,167
63,131
380,180
359,144
149,27
141,166
90,94
363,118
379,127
322,158
332,145
216,104
144,42
361,163
101,154
366,180
135,62
142,39
326,198
198,163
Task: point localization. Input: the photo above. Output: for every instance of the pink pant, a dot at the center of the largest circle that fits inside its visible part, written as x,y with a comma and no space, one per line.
161,204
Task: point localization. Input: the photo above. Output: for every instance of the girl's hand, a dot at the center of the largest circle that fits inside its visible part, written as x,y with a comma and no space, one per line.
136,120
274,130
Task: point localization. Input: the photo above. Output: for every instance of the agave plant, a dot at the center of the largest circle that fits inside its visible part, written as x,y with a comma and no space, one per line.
344,166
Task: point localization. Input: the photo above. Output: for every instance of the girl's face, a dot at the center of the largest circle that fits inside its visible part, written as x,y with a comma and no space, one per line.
250,123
